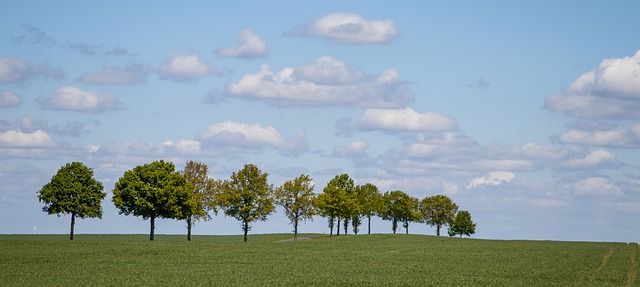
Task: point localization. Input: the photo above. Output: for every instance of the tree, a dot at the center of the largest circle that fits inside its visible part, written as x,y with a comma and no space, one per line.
296,197
154,190
203,190
337,202
247,197
462,224
369,199
399,207
438,210
73,190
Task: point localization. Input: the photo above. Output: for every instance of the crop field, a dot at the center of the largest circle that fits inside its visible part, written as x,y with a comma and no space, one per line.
362,260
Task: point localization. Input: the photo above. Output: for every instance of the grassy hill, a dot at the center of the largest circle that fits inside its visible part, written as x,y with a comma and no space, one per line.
363,260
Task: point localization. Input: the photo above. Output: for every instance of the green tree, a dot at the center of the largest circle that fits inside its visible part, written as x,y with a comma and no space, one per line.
346,199
73,190
247,197
154,190
438,210
327,204
399,207
204,189
462,224
296,197
369,198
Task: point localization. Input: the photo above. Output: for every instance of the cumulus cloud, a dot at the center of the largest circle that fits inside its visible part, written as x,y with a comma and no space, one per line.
614,136
251,137
14,70
183,146
70,98
132,74
596,186
352,150
9,99
405,120
18,139
185,68
596,159
493,178
611,91
249,46
348,28
327,81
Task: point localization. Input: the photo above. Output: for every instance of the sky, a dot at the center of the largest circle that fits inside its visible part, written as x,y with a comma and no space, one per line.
526,114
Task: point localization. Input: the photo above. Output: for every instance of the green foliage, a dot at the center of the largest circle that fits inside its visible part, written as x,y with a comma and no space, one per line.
247,197
375,260
399,207
370,200
296,197
73,190
438,210
154,190
462,224
203,190
338,201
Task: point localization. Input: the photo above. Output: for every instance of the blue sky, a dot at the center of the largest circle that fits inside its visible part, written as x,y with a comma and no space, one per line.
525,114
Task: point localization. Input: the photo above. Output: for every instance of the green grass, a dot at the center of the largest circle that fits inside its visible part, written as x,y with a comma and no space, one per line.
363,260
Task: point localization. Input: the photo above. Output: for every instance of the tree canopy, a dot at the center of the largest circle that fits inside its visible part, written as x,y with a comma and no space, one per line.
369,199
438,210
399,207
296,197
203,190
338,201
247,196
462,224
73,190
154,190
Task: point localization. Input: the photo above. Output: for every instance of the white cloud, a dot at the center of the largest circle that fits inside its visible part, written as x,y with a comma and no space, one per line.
251,137
18,139
540,152
494,178
70,98
327,81
9,100
353,149
348,28
612,137
598,158
184,146
185,68
610,91
406,120
249,46
132,74
13,70
596,186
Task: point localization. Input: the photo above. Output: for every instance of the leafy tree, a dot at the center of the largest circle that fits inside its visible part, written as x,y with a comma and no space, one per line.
154,190
344,196
462,224
73,190
399,207
369,198
204,189
247,197
296,197
438,210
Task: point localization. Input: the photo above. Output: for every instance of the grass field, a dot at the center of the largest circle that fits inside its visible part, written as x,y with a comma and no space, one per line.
363,260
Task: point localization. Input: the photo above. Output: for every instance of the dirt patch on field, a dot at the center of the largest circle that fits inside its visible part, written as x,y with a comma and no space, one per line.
299,239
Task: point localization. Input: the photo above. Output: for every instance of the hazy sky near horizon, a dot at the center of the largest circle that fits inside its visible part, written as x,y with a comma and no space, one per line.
526,114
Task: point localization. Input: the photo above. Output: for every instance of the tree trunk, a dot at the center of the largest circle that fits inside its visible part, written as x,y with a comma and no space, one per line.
460,234
406,227
245,228
73,223
346,225
189,228
394,225
338,228
331,220
369,225
438,229
295,230
153,227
